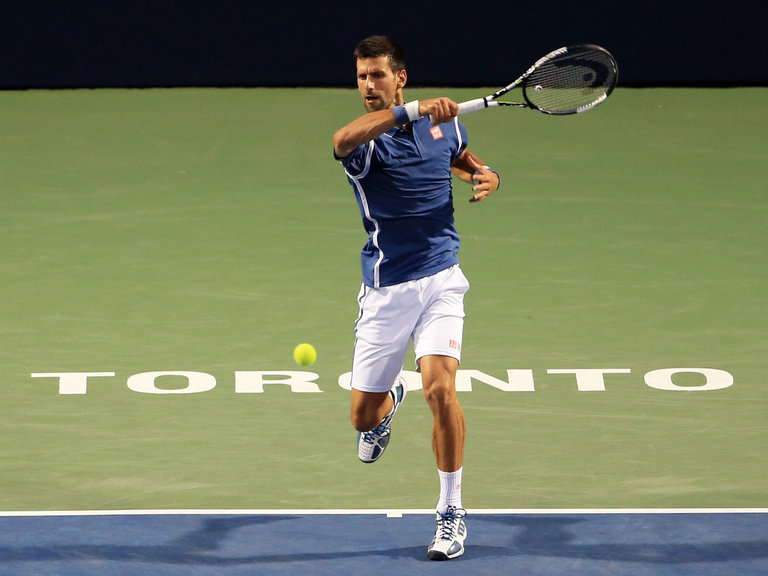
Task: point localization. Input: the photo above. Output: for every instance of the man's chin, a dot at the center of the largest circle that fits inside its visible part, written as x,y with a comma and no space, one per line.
373,105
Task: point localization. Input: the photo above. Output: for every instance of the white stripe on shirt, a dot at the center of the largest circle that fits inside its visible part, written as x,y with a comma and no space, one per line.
367,211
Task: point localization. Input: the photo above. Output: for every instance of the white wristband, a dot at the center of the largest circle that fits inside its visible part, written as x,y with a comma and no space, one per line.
412,108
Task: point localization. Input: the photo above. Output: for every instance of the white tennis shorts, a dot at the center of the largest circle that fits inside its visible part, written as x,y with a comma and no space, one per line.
429,311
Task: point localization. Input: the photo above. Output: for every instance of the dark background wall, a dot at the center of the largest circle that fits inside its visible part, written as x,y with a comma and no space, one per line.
110,43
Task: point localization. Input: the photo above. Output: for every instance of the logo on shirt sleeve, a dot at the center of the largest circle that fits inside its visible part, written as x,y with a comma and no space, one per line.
436,132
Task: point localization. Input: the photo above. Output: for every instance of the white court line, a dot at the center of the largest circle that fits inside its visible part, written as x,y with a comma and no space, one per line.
390,513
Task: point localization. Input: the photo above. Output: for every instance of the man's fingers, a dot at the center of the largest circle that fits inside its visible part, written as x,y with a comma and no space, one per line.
480,196
442,110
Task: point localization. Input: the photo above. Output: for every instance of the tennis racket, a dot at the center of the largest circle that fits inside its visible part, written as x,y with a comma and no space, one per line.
568,80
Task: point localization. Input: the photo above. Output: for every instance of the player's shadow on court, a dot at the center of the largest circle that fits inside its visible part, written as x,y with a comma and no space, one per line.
555,537
216,542
206,546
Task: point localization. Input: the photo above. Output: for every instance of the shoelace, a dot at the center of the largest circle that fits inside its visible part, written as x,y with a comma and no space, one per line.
370,436
448,523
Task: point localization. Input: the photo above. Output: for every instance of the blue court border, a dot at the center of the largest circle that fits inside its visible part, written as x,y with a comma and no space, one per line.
672,542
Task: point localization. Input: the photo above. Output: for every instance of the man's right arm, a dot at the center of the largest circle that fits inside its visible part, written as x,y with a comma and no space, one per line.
374,124
362,130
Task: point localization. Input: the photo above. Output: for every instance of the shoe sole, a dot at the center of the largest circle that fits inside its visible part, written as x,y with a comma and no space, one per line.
441,556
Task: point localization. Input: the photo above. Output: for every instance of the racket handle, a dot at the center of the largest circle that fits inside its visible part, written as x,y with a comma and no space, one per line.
472,105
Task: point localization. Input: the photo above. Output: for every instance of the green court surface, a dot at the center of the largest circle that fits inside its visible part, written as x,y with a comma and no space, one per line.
210,231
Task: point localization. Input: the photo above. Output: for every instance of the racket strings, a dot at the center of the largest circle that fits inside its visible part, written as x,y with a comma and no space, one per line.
571,83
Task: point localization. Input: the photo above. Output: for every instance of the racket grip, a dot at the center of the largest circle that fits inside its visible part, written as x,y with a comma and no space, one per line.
472,105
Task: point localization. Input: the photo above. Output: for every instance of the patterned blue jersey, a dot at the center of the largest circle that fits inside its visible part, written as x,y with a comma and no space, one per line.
402,181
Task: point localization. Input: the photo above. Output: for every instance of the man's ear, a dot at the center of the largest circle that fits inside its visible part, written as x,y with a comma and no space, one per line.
402,79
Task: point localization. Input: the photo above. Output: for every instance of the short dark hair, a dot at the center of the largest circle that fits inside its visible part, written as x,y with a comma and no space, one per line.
375,46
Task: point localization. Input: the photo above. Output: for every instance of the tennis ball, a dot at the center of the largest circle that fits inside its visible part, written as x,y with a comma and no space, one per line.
305,354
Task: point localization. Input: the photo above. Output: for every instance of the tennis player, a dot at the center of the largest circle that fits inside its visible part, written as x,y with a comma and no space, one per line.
399,158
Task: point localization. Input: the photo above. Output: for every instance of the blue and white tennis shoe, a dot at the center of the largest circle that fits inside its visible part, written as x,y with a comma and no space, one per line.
449,536
371,444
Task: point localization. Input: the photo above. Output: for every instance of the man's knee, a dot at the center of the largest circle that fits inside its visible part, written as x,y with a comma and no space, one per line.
438,374
440,391
440,396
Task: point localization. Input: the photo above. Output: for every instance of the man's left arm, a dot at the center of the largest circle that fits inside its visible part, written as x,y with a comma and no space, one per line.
470,168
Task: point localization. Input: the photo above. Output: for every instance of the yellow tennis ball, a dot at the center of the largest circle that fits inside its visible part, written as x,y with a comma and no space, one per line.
305,354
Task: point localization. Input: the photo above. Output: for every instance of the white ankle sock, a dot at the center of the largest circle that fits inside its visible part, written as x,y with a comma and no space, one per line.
450,490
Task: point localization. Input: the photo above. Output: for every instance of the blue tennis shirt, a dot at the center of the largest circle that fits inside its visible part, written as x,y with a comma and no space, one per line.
402,182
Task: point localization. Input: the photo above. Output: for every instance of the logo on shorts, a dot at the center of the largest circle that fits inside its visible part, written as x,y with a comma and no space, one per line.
436,132
454,345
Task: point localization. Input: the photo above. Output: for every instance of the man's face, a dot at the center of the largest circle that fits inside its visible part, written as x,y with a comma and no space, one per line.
379,86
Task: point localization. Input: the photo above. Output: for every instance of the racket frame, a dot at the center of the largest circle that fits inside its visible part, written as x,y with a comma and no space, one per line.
492,100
